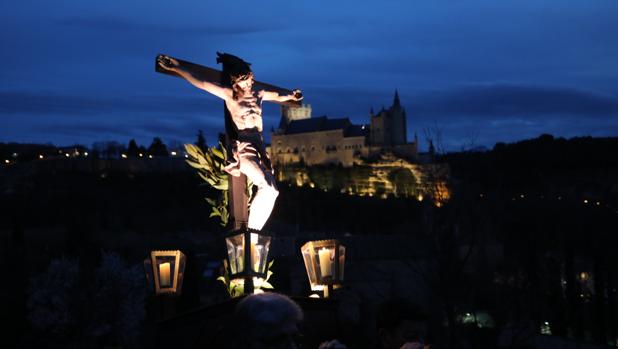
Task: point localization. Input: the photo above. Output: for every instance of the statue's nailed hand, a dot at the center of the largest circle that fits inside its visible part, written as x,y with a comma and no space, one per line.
298,95
167,62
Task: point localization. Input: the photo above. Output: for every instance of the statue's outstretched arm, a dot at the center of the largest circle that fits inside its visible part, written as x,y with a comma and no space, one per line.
296,96
172,64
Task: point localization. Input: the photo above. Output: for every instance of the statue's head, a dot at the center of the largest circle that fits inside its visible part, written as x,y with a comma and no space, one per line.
240,71
242,81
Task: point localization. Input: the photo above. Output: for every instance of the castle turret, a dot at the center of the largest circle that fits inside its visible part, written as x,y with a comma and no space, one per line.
396,102
297,113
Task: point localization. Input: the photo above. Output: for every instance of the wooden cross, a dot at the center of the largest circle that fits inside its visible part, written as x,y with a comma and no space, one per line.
238,200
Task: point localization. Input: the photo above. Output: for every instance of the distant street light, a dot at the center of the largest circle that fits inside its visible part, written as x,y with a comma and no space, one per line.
165,271
324,261
247,247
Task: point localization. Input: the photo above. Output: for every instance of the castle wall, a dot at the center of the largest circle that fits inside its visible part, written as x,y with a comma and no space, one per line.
380,126
314,148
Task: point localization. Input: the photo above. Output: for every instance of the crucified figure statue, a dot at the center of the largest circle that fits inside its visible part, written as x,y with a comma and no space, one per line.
244,103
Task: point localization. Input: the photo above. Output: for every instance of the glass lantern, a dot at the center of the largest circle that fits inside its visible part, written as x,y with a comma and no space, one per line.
165,270
324,261
247,247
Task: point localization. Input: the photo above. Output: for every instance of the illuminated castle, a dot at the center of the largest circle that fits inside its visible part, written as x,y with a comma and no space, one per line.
321,140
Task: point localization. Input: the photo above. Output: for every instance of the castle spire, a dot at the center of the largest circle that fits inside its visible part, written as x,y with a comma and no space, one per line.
396,102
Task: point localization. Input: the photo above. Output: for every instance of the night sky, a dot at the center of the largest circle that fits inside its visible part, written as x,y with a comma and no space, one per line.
481,71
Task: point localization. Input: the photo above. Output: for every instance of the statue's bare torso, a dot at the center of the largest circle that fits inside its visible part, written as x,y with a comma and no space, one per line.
246,110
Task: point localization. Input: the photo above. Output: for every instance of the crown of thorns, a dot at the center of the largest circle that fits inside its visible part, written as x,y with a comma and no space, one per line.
240,77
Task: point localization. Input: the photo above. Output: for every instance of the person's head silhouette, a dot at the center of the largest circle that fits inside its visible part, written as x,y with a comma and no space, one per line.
267,320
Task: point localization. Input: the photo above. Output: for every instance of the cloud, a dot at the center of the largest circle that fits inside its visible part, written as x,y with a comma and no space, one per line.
120,25
103,128
507,100
65,119
25,102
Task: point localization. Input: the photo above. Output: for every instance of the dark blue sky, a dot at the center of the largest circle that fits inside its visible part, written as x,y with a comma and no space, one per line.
481,71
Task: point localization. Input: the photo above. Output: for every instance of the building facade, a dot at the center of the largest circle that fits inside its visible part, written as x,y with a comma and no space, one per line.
301,139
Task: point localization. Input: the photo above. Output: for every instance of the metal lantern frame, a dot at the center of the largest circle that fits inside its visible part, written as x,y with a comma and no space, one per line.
177,261
314,258
245,245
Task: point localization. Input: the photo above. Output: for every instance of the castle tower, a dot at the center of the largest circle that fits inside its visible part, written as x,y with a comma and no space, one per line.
298,113
399,134
388,127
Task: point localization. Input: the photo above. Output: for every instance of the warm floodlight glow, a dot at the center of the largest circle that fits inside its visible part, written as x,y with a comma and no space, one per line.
124,156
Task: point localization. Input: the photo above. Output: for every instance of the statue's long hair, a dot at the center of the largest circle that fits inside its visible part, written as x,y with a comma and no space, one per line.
237,69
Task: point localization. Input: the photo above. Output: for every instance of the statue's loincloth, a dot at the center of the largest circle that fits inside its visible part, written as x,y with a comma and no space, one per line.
245,149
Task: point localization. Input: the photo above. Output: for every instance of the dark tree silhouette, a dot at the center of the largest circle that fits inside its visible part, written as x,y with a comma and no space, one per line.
157,148
133,149
201,141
